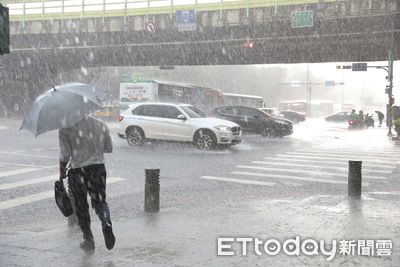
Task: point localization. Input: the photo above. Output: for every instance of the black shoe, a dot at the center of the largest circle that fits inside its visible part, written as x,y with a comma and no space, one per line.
109,237
88,246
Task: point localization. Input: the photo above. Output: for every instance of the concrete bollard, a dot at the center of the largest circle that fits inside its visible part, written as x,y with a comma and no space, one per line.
152,190
355,181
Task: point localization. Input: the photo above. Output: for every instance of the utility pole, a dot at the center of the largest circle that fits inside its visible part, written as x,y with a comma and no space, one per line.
388,91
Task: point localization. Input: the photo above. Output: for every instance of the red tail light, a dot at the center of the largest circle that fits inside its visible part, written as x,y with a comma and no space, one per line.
120,118
351,122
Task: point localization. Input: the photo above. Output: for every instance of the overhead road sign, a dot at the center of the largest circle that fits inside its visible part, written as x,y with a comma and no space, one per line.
186,20
302,19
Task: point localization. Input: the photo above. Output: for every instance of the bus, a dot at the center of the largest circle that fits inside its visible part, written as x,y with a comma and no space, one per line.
243,100
132,91
318,107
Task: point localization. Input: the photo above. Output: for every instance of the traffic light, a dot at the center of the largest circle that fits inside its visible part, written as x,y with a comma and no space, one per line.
4,30
248,44
359,67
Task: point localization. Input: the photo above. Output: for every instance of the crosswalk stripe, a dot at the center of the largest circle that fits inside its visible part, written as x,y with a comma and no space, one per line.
288,177
28,165
373,153
308,172
379,150
19,171
317,166
339,155
39,196
240,181
331,162
21,154
332,158
28,182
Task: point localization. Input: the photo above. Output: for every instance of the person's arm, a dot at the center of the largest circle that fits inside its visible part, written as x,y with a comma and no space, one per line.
108,147
65,153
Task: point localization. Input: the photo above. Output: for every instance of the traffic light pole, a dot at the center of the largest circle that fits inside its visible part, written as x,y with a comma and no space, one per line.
389,91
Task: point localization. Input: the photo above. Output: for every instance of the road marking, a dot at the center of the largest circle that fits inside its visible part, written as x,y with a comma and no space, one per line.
307,179
28,165
240,181
332,158
28,155
340,154
40,196
3,127
308,172
317,166
343,151
28,182
353,149
332,162
19,171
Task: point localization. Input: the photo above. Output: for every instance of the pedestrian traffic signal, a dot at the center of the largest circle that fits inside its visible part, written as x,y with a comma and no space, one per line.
391,101
4,30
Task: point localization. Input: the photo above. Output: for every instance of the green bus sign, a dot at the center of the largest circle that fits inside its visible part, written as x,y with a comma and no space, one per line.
302,19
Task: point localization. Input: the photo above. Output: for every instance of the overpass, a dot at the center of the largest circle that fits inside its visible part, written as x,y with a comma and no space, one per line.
48,39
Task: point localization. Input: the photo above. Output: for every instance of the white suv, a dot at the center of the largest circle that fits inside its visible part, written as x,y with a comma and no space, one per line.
176,122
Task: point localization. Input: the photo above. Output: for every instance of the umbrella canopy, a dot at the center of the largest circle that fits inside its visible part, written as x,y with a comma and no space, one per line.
61,107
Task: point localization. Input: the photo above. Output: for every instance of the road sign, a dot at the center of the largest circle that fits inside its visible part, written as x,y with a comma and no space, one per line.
186,20
359,67
302,19
150,27
330,83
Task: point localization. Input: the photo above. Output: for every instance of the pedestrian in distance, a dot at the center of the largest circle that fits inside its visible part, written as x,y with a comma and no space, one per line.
380,117
83,146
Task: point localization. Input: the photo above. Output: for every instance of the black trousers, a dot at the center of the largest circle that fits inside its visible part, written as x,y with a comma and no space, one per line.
92,180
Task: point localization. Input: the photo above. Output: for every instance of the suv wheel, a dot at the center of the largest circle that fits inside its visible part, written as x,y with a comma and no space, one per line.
135,136
205,140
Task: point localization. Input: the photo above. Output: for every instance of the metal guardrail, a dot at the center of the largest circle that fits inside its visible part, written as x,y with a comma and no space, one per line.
27,10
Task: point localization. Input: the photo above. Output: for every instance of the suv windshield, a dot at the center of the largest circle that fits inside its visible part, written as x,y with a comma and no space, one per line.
193,112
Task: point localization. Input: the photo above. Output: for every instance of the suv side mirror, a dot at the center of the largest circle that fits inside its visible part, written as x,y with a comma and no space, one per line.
181,117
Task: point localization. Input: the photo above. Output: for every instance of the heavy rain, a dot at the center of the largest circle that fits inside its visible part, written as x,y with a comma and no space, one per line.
199,133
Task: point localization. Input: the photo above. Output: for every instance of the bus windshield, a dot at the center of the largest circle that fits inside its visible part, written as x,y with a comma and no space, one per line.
193,112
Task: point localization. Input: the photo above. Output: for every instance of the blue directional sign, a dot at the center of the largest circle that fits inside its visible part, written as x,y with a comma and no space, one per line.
186,20
330,83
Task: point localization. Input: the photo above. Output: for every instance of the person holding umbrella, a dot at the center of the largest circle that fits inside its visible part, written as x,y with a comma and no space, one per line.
83,141
83,146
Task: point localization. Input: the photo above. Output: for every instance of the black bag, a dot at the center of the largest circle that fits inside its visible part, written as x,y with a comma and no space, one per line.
62,200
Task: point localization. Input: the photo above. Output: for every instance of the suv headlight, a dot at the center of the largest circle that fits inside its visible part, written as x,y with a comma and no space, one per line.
223,128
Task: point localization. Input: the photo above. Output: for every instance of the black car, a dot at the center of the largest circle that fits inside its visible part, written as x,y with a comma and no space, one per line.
254,120
293,116
339,117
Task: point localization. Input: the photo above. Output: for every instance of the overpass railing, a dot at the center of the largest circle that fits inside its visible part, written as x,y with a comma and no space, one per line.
28,10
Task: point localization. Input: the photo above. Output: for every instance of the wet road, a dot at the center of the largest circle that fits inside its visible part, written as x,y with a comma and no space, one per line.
311,161
261,184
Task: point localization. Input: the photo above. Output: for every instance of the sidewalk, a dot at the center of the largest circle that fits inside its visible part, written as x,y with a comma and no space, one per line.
171,238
